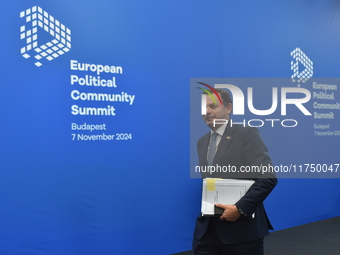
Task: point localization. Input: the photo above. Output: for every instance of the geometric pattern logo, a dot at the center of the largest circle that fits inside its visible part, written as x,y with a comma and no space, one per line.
300,57
36,18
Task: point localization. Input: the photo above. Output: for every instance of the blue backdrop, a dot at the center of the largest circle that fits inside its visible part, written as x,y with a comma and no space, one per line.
64,195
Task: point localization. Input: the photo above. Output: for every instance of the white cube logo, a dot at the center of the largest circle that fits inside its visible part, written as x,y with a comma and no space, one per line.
35,18
300,57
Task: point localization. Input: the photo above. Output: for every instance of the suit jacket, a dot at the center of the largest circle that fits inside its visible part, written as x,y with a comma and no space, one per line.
240,146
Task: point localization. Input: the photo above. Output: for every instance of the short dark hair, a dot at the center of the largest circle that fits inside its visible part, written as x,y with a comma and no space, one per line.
226,99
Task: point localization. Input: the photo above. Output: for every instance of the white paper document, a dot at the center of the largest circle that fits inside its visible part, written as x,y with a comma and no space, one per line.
223,191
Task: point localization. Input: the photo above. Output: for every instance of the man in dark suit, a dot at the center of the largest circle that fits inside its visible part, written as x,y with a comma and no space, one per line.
241,228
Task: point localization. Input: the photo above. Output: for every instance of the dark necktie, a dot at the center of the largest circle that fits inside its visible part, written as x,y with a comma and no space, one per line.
212,148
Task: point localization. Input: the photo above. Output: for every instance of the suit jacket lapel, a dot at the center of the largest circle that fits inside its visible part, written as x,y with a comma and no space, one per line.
224,143
205,146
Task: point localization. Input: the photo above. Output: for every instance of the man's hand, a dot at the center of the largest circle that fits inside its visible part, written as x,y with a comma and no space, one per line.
230,212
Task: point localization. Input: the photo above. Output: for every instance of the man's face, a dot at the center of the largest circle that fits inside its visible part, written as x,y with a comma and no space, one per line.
216,111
